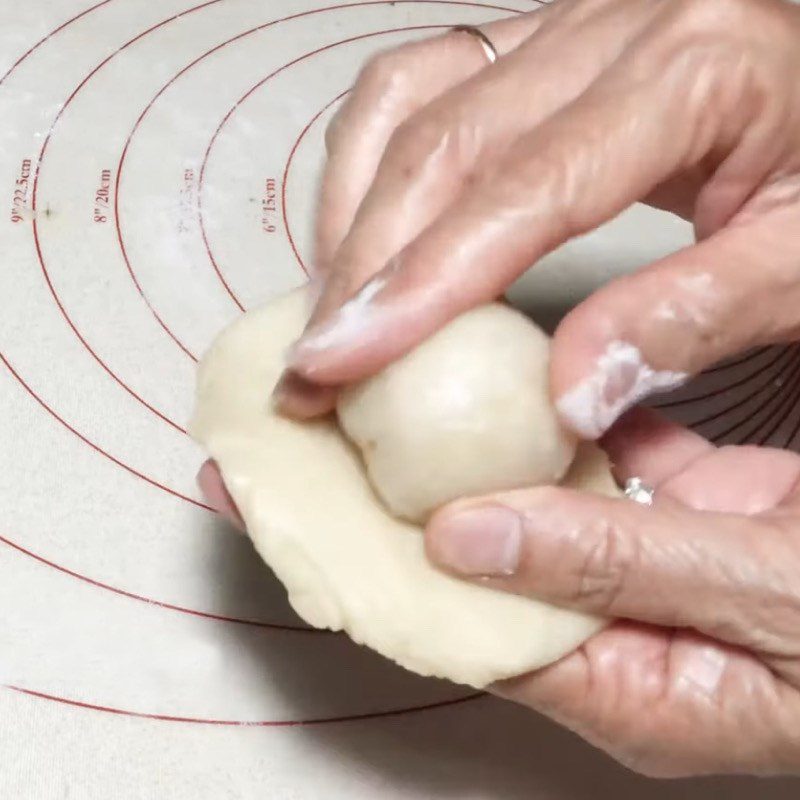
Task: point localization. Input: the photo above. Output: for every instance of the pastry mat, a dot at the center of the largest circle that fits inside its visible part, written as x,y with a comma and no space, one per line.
157,172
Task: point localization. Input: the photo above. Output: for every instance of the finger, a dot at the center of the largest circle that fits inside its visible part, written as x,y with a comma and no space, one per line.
433,155
555,183
732,574
209,479
687,468
564,690
647,445
746,480
389,89
649,331
667,703
297,397
434,152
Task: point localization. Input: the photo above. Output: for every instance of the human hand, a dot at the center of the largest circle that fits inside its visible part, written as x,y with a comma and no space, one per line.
392,88
701,674
464,177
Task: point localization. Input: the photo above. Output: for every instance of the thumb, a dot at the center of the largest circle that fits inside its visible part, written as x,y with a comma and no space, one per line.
727,575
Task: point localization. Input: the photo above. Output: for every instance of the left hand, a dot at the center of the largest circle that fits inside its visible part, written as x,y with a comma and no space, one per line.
701,672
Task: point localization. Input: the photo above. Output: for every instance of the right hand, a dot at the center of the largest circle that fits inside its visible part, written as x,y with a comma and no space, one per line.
453,183
392,90
701,671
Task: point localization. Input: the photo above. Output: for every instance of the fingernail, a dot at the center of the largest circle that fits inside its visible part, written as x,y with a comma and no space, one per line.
343,328
480,541
297,398
621,379
209,480
280,392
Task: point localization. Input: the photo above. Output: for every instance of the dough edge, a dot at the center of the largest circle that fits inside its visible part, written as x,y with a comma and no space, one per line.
464,632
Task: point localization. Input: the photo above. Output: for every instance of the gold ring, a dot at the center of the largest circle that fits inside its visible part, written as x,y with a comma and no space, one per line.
489,50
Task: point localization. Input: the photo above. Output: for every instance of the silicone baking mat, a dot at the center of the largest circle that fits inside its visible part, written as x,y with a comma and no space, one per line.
157,171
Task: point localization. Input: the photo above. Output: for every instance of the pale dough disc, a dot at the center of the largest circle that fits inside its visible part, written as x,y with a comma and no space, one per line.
346,563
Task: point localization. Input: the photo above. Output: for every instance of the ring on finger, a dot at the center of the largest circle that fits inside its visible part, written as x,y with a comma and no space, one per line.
638,491
489,50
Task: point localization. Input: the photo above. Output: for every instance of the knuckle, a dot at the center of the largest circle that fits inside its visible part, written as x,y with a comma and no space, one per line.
709,13
773,605
341,284
431,138
383,88
737,22
548,179
415,142
724,29
383,71
607,558
378,85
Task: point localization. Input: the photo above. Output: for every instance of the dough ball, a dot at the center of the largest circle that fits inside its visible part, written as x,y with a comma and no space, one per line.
465,413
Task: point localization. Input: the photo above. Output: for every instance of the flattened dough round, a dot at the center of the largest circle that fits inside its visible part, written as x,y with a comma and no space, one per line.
467,412
346,563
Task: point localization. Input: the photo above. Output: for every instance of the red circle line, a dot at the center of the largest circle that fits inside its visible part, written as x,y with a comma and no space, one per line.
763,386
33,48
5,361
786,398
286,177
279,723
16,375
254,88
91,444
82,704
40,163
106,586
35,224
63,311
183,71
235,107
158,603
787,406
103,452
94,446
743,381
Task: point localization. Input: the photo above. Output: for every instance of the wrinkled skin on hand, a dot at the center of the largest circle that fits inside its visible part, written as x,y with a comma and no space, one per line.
451,178
447,178
700,673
